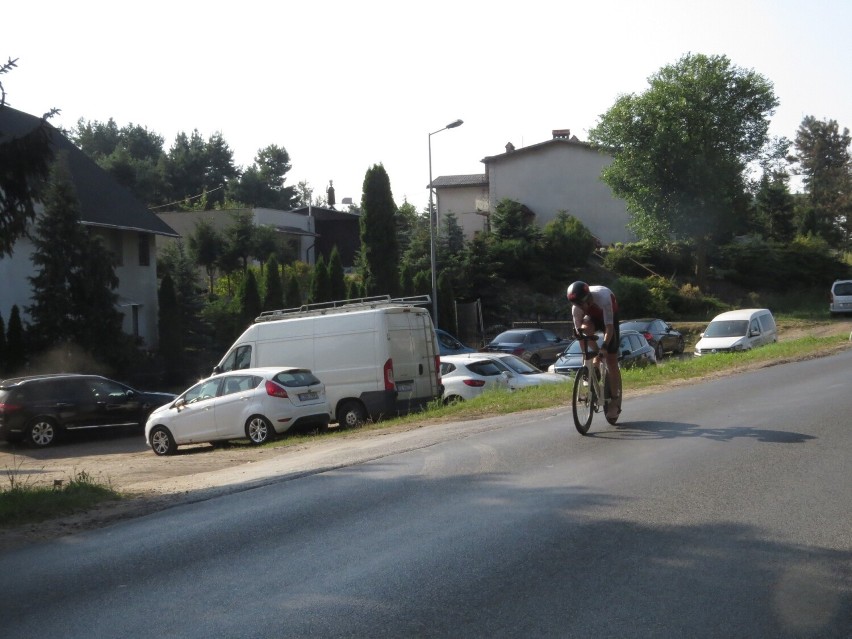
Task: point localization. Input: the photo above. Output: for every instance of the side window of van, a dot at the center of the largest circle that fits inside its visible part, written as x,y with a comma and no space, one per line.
755,327
767,323
237,359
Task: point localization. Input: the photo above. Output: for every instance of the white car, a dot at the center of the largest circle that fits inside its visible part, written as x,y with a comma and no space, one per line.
467,376
257,403
522,374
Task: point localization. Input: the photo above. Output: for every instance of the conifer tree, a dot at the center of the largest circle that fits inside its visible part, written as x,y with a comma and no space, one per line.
274,297
320,283
250,305
16,347
336,276
73,288
379,246
171,332
293,296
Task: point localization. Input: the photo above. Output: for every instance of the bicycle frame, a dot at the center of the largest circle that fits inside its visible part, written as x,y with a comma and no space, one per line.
591,387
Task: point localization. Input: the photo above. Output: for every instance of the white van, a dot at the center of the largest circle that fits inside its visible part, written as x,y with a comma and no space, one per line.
737,331
376,356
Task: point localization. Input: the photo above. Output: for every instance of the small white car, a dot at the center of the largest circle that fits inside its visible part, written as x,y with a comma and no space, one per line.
253,403
522,374
467,376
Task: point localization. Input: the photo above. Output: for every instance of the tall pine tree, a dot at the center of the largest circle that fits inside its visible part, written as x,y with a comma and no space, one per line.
379,246
73,288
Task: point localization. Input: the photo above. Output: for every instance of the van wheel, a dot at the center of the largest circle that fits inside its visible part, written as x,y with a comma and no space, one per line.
42,432
351,414
259,430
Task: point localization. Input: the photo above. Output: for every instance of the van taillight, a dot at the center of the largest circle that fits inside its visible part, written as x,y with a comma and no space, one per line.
388,374
274,390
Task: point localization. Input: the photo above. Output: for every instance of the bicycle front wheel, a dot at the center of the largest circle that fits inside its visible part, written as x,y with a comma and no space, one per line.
583,401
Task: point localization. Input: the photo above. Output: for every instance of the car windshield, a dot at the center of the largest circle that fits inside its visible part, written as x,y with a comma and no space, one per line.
576,347
727,328
519,365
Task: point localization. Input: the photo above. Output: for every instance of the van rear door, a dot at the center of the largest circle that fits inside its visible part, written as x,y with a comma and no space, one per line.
413,349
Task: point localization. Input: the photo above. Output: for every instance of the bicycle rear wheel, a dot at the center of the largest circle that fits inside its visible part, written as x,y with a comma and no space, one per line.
583,401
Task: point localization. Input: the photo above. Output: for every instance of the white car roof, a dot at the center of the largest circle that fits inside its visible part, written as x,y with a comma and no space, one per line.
740,314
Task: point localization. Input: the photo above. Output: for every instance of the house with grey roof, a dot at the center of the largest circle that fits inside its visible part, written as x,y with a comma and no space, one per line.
560,174
112,212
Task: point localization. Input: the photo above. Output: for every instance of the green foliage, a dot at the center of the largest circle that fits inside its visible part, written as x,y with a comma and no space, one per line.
21,503
273,298
2,346
16,348
803,264
644,258
824,162
73,286
293,296
681,149
446,304
206,246
379,247
336,276
567,244
320,290
250,306
171,333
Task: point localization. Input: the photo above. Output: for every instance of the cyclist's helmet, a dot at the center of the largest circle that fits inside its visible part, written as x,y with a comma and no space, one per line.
578,292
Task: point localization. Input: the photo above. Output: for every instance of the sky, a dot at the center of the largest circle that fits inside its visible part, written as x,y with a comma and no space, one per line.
345,85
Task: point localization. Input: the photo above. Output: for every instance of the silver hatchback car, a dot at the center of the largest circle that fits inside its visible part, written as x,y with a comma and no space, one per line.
840,297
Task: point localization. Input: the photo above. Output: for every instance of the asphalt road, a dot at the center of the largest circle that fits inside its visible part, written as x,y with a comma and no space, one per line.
722,509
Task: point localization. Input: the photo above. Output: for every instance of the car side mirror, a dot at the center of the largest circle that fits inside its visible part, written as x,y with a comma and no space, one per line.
753,332
179,403
217,369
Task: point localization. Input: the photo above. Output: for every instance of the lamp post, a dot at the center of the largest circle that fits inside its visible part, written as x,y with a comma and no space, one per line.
433,223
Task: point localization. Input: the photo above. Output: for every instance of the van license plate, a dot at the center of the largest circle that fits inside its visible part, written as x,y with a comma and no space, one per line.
307,396
404,387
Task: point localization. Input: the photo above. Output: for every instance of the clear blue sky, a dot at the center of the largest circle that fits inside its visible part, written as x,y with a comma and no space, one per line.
344,85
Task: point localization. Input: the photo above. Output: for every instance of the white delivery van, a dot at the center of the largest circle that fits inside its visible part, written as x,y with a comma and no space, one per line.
737,331
376,356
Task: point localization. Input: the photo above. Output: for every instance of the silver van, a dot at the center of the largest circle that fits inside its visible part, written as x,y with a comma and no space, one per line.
737,331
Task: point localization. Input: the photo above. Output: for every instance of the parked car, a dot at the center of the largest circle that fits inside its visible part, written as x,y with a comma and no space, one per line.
634,350
523,374
41,408
449,345
737,331
840,297
538,346
253,403
469,375
659,333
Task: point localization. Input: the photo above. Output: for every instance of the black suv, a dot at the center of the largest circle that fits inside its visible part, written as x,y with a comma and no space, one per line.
40,408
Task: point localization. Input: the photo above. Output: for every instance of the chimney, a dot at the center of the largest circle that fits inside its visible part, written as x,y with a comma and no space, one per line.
510,147
561,134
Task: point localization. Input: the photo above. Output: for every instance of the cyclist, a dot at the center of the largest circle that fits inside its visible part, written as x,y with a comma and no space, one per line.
598,304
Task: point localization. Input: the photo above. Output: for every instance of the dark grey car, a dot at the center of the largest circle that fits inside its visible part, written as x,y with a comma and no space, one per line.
539,346
634,351
659,333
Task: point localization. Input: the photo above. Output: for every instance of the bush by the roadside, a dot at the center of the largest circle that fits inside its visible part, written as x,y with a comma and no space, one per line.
21,503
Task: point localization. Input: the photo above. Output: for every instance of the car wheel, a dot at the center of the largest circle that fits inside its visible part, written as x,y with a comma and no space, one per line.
681,346
42,432
658,351
259,430
453,399
351,414
535,360
162,442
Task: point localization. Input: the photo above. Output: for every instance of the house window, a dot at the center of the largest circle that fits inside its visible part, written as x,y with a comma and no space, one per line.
144,250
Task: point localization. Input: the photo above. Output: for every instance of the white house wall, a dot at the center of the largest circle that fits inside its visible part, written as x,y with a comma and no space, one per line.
137,284
561,177
462,201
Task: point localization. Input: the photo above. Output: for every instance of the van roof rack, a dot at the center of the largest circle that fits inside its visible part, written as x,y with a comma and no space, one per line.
343,306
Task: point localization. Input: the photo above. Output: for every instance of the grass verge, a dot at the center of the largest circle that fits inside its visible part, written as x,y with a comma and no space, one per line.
22,503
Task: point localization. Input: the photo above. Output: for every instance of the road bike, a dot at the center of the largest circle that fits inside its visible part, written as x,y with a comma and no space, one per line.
591,393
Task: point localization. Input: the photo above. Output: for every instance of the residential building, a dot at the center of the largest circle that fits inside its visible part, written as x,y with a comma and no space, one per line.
561,174
127,227
311,230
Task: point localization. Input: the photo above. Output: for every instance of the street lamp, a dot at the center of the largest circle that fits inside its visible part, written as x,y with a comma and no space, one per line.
433,223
